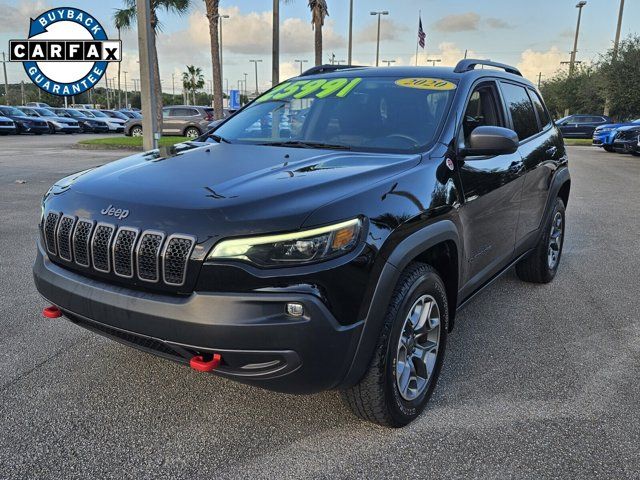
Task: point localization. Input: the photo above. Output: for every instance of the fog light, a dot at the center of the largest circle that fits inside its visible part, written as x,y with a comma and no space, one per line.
295,309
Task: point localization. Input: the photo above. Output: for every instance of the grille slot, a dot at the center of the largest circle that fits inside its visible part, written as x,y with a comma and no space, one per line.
81,238
100,243
65,230
50,227
148,253
175,257
123,247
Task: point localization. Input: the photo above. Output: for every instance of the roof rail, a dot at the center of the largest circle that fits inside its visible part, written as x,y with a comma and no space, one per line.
326,69
469,64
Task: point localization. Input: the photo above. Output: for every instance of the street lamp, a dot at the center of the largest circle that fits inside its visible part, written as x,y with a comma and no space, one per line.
380,13
220,17
244,85
300,62
388,62
126,90
579,6
433,61
255,62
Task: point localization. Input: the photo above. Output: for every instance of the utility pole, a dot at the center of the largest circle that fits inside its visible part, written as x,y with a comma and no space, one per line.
388,62
379,14
147,95
22,92
580,5
539,79
6,82
333,59
173,88
300,62
350,33
275,45
126,97
245,83
433,61
255,62
106,82
616,45
220,17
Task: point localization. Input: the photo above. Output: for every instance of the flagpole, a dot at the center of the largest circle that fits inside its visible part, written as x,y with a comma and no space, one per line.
417,39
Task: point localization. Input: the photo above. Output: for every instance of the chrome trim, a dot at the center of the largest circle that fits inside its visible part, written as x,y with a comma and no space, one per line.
55,233
131,252
187,257
73,225
162,237
88,242
93,238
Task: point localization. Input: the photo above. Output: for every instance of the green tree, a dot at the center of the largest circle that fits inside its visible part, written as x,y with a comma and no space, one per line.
193,80
620,77
579,93
125,18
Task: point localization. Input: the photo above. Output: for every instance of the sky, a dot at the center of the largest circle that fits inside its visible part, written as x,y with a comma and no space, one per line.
534,35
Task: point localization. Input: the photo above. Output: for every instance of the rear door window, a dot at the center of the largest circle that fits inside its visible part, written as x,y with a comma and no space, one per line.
543,115
523,115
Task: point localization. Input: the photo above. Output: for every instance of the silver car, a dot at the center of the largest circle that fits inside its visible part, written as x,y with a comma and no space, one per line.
56,123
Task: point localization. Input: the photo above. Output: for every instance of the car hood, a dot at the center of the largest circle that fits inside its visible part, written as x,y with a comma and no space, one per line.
616,125
626,128
223,190
25,118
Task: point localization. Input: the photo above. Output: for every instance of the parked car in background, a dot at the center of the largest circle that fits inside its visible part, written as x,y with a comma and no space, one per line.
56,123
37,104
24,123
87,125
179,120
7,126
604,135
227,112
581,126
130,113
627,140
114,124
115,114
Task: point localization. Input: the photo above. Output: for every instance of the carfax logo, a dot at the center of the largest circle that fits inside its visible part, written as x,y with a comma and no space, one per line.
67,51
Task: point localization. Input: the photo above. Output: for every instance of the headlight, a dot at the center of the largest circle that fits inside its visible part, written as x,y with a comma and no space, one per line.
603,130
292,248
57,124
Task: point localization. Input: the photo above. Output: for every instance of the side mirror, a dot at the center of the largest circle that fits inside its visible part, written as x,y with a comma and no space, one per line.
492,141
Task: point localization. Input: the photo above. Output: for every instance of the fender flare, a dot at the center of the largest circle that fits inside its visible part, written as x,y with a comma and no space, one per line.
400,258
560,178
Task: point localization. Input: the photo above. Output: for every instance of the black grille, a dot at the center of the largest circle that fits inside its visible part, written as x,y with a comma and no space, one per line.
175,256
100,253
628,134
81,237
65,229
123,247
50,227
148,253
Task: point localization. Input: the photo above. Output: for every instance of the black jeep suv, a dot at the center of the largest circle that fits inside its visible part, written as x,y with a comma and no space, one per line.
323,237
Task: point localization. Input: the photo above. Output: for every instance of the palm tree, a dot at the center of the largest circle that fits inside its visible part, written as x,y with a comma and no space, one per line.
193,80
125,18
214,17
319,10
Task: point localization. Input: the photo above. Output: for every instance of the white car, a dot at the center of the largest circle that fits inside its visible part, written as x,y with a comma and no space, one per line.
114,124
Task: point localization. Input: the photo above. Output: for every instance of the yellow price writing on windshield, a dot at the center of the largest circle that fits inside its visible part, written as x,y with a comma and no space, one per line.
320,88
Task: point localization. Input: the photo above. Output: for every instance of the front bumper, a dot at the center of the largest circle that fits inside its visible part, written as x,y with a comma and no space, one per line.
34,129
260,344
627,146
7,129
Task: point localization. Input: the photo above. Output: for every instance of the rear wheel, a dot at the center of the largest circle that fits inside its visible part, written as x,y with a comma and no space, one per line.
541,265
192,132
136,131
408,357
608,148
52,129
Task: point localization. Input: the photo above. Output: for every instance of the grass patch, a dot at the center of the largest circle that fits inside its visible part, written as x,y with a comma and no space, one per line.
573,142
129,142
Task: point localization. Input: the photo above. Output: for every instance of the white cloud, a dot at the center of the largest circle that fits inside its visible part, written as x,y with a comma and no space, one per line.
460,22
16,18
533,62
389,30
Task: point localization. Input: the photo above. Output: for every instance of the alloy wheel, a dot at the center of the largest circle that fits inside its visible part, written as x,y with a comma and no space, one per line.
555,240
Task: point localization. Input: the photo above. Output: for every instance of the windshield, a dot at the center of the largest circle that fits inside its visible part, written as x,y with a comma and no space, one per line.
75,114
370,114
98,114
11,111
44,112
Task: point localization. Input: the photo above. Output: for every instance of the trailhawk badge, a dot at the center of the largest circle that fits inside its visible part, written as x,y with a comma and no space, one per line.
67,51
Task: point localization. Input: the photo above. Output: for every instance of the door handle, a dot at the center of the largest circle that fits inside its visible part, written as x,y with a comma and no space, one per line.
551,152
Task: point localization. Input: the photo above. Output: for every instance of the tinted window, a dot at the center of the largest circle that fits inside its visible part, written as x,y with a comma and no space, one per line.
482,110
522,113
543,116
183,112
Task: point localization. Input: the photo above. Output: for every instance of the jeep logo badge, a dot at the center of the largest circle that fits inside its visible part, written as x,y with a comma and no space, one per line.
112,211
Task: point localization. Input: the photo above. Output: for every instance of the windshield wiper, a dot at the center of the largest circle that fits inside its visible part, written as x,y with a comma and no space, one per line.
218,138
302,144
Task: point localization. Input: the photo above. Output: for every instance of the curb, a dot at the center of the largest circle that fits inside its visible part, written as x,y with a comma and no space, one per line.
84,146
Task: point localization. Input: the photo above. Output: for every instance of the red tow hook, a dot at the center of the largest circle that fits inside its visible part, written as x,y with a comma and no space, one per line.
200,364
51,312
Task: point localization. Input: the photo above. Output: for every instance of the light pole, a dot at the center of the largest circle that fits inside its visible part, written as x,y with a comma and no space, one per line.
300,62
6,83
126,90
379,14
255,62
433,61
244,85
220,17
579,6
350,31
388,62
616,45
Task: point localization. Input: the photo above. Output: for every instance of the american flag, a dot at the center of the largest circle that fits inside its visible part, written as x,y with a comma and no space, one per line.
421,35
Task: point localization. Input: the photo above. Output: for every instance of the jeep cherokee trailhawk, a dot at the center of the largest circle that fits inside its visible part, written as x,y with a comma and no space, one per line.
323,237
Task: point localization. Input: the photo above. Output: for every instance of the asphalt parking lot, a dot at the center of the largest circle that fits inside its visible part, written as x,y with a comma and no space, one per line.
539,381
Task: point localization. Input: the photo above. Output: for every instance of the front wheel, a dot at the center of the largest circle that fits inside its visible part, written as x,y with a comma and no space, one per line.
136,131
408,357
192,132
608,148
541,265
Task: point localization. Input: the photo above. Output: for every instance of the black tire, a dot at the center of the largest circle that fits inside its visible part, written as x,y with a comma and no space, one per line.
536,267
135,131
608,148
52,129
377,397
192,132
